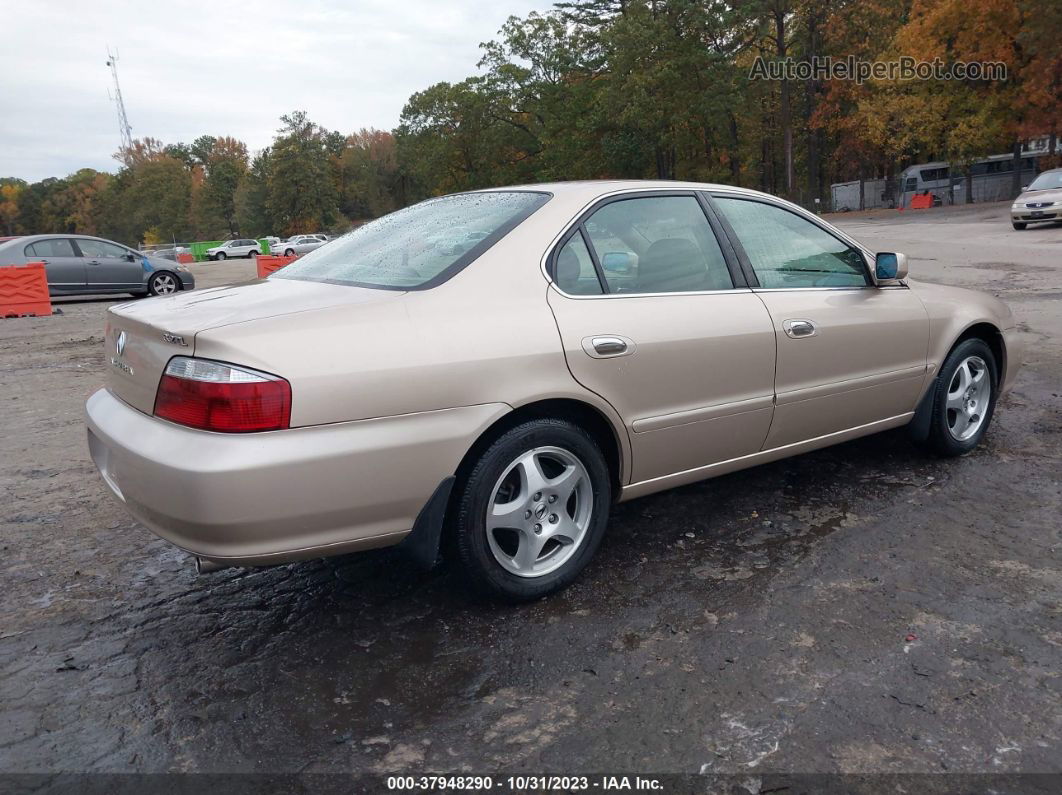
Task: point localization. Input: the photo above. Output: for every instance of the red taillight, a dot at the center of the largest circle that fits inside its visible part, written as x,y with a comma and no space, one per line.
219,397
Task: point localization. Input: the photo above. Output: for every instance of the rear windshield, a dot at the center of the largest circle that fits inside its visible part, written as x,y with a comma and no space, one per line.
420,246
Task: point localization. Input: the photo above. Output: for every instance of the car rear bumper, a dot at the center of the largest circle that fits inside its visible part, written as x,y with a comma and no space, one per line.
264,498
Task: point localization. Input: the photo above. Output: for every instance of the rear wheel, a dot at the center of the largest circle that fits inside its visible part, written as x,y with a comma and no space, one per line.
964,399
1018,225
533,509
163,283
252,254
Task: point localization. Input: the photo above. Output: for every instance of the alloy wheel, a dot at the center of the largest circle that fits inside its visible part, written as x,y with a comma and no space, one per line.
968,396
539,511
164,284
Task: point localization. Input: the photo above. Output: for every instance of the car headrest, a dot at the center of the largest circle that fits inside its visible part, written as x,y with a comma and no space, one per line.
672,264
567,270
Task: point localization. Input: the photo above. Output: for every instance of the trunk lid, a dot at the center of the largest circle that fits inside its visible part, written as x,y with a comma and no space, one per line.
142,336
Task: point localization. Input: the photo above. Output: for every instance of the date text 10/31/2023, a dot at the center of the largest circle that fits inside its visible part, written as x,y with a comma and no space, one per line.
524,783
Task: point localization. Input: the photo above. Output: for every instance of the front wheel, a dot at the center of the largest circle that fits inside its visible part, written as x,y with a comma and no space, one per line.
533,509
289,252
220,255
964,399
1018,225
163,284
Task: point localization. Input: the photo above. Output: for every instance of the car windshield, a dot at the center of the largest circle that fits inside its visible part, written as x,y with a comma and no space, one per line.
417,247
1049,180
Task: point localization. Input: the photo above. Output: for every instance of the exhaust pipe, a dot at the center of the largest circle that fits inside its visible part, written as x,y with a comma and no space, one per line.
204,566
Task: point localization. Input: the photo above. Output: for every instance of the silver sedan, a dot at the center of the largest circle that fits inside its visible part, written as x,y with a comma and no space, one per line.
300,244
80,264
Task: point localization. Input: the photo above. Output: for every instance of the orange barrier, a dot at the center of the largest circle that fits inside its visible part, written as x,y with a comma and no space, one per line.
922,201
185,259
268,264
24,290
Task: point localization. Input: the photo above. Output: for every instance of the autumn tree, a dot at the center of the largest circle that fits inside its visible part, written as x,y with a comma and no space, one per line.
10,190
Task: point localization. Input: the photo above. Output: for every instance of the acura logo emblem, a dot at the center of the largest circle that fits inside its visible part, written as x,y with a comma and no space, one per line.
119,345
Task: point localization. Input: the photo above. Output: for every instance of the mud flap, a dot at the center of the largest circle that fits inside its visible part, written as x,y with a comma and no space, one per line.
918,428
422,544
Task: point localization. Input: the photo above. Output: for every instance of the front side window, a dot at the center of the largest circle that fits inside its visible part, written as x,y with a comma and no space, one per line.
56,247
98,248
418,247
788,251
657,244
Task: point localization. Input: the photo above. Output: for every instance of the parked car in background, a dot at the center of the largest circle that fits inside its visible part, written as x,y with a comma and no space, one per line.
241,247
1040,200
80,264
510,393
301,244
167,253
274,243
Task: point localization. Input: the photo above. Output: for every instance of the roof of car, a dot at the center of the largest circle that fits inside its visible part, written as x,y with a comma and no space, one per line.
599,187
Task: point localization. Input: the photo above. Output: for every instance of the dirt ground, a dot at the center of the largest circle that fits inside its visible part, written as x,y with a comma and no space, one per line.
752,624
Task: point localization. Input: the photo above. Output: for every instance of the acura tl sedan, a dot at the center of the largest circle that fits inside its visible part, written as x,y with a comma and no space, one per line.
84,265
494,396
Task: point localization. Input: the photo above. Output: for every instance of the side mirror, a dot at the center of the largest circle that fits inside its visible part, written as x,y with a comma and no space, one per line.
130,257
890,266
616,261
1024,188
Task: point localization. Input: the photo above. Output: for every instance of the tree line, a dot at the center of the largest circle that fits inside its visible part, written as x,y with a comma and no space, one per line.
606,89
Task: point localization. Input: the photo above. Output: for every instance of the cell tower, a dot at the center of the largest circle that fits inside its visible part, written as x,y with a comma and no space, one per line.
123,121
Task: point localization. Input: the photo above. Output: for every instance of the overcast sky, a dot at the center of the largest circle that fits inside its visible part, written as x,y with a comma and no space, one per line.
220,68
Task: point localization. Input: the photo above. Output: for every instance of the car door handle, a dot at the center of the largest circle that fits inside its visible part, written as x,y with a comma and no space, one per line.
799,328
605,346
609,346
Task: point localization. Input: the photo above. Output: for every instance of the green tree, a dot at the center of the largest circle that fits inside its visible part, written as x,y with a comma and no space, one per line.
302,192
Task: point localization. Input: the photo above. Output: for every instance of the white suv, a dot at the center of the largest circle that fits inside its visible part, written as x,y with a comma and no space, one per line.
243,247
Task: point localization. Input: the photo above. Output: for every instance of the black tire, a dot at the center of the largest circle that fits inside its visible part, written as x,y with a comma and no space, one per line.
941,439
1018,225
163,283
220,255
252,254
474,492
289,252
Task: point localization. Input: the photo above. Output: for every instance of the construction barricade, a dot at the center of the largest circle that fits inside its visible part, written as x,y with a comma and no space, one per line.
24,290
268,264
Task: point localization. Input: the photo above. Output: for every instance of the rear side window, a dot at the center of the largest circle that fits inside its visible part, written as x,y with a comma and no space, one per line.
420,246
575,269
657,244
788,251
56,247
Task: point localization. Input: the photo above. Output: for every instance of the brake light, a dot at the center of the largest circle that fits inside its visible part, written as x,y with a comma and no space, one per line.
213,396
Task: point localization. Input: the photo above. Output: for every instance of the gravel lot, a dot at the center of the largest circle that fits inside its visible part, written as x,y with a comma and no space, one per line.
755,623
